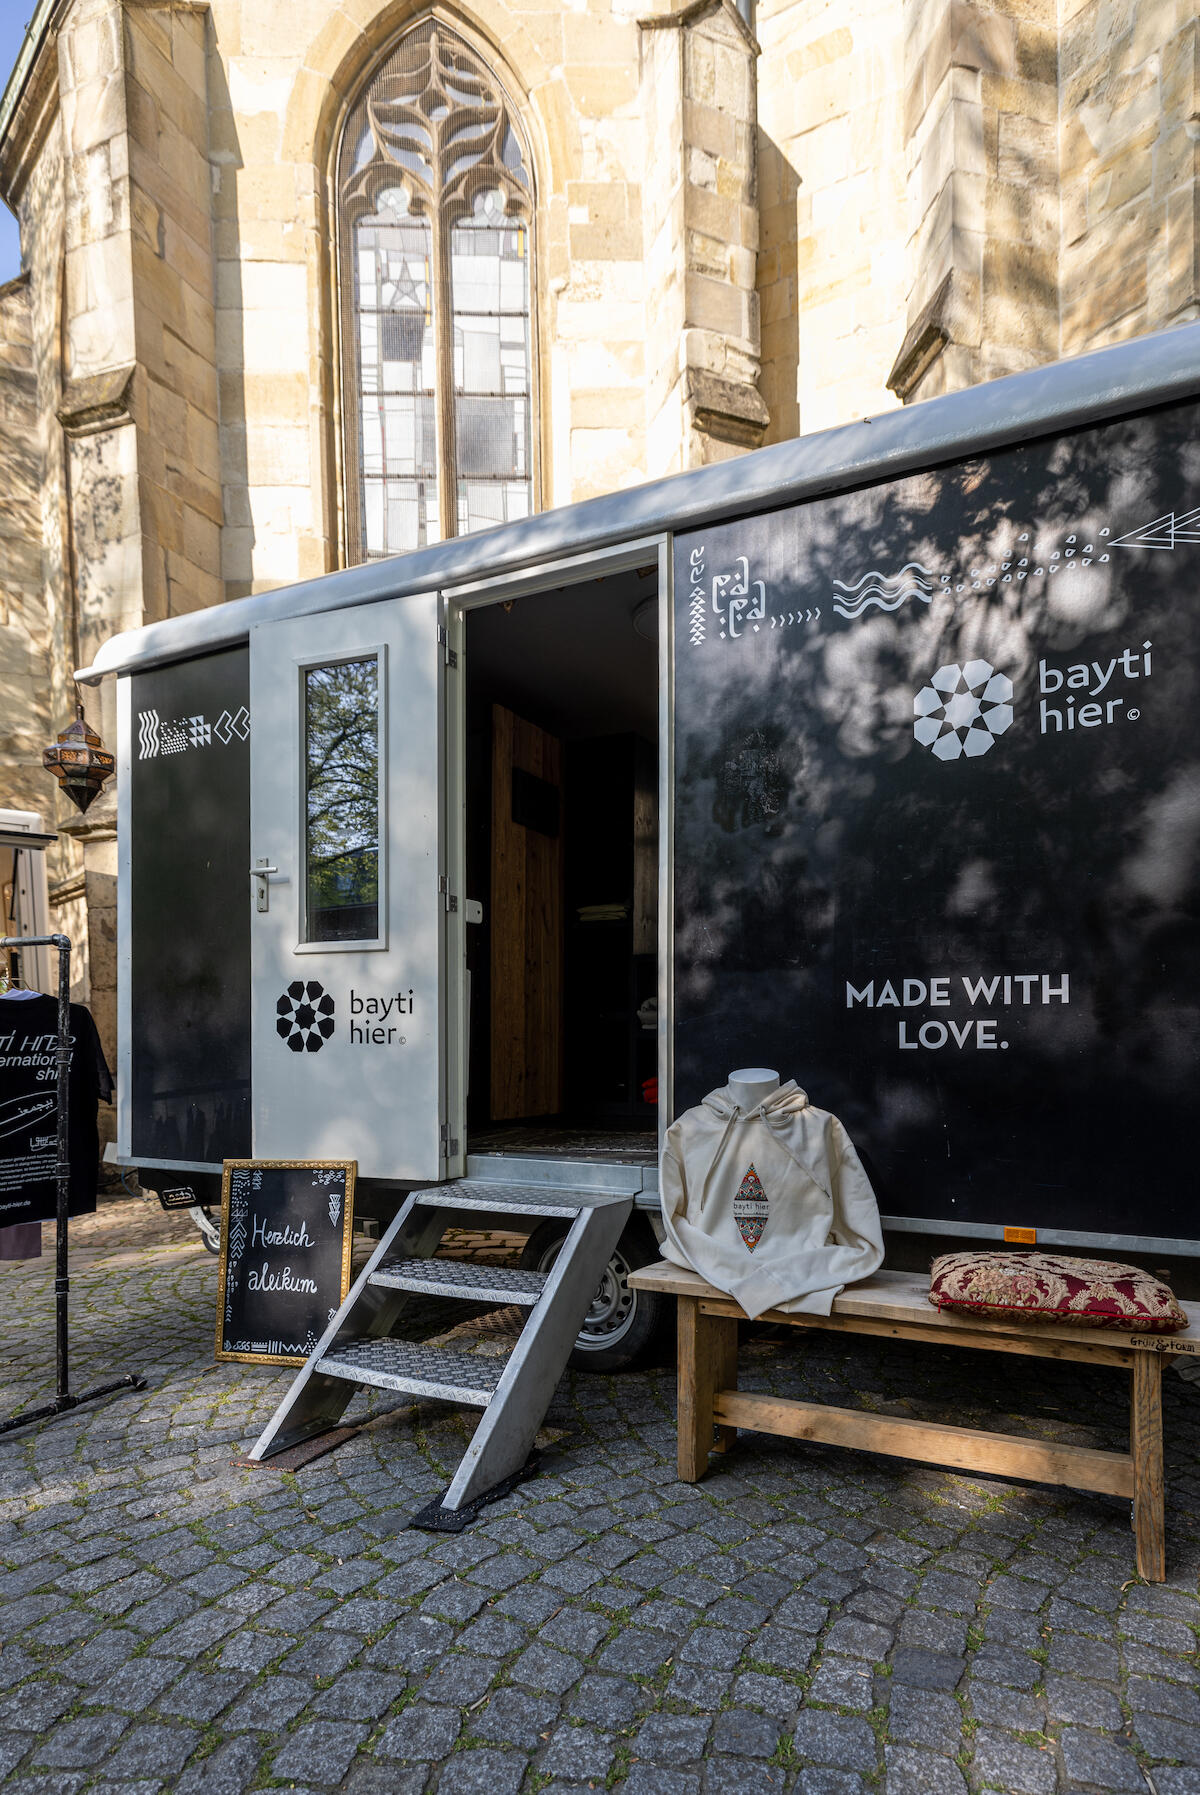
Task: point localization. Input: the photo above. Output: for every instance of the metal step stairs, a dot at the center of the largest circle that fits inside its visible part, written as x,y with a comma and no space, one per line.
358,1347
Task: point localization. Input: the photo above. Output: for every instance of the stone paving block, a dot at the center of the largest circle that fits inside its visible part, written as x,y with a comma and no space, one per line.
1090,1758
198,1695
578,1754
151,1751
772,1694
1082,1704
270,1706
319,1752
744,1735
835,1740
993,1705
653,1779
1166,1738
735,1776
411,1645
79,1744
252,1651
530,1605
1016,1592
924,1669
813,1781
608,1702
483,1771
935,1632
802,1612
844,1683
944,1593
859,1639
912,1772
511,1717
635,1651
13,1747
196,1634
572,1631
671,1738
1176,1781
1145,1661
323,1656
493,1636
1013,1766
541,1667
1005,1626
460,1680
1004,1664
1157,1697
36,1707
455,1601
1156,1630
716,1647
1084,1658
697,1687
925,1717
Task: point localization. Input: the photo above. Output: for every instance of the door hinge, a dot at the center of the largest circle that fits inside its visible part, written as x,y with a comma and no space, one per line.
448,897
451,653
449,1142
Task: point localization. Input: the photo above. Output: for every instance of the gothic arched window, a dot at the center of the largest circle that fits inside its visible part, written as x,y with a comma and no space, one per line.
435,200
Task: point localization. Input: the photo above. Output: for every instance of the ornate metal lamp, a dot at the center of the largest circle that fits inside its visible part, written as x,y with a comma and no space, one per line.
79,761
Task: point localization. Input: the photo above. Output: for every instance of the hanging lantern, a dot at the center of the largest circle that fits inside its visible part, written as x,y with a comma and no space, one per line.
78,760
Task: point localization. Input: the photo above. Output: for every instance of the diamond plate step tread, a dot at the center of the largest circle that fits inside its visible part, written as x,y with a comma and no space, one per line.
419,1370
514,1199
456,1278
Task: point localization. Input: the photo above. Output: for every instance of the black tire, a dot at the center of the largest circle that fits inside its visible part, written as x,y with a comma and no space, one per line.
624,1328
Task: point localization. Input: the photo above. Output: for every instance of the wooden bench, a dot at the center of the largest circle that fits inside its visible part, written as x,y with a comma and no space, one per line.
896,1305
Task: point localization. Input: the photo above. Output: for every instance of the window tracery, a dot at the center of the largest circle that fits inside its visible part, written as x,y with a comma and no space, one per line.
436,211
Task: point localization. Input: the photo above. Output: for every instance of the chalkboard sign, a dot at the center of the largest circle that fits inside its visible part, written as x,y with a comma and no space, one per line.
286,1231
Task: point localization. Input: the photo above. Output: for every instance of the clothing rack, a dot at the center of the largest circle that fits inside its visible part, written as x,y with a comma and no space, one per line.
63,1400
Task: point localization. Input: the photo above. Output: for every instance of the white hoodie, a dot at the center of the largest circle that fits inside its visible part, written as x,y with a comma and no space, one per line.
770,1205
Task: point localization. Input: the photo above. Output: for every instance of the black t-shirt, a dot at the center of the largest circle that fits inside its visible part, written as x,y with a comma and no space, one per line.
28,1116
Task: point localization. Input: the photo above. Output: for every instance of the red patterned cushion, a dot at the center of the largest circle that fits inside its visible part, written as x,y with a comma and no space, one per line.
1088,1293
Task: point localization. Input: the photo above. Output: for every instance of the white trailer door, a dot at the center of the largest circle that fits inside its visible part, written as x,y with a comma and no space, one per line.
347,891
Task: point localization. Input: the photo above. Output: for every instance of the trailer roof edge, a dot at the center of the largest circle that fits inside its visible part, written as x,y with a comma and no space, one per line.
1063,395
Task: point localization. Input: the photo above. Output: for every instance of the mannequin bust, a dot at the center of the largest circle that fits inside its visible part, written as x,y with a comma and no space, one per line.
752,1085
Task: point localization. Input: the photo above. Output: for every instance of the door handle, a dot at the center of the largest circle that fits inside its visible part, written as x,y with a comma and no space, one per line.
260,872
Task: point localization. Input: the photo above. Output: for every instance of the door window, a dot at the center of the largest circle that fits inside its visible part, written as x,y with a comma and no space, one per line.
341,800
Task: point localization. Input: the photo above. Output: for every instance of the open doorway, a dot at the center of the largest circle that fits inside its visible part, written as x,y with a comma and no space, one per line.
562,709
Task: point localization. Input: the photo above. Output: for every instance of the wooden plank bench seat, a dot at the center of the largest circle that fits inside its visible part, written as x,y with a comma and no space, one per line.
896,1306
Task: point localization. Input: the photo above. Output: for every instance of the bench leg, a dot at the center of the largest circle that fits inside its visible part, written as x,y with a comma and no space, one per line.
703,1360
1146,1446
726,1343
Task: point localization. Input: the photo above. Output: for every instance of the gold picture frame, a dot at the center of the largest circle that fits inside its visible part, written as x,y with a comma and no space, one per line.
226,1355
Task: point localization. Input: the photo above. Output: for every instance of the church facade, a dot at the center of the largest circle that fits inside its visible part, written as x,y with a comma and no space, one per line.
304,285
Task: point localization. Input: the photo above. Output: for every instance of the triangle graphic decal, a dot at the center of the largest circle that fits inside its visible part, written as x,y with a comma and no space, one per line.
750,1209
1163,532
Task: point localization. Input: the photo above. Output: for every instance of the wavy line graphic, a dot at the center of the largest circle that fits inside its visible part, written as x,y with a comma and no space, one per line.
876,597
888,580
885,591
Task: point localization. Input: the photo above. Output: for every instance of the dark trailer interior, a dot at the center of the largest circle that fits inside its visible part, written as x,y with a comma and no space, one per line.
562,775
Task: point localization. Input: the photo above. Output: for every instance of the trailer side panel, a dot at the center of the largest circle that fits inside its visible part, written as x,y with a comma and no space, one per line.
937,824
189,910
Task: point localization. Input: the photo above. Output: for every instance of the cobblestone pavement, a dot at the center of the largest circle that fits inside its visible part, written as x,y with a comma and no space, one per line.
805,1620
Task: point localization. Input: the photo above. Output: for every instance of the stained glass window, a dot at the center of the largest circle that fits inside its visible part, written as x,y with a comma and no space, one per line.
436,216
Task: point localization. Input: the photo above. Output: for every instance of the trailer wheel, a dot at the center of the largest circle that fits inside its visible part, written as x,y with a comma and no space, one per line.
210,1230
623,1328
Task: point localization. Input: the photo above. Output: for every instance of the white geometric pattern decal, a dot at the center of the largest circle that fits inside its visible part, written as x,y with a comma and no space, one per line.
963,710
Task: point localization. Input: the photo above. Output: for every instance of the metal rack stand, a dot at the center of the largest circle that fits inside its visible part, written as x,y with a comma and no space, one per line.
63,1400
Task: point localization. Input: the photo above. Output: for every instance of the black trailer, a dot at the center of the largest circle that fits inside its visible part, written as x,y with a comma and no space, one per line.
871,757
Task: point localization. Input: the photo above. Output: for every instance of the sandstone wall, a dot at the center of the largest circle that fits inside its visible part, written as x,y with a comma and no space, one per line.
1130,158
24,635
832,268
